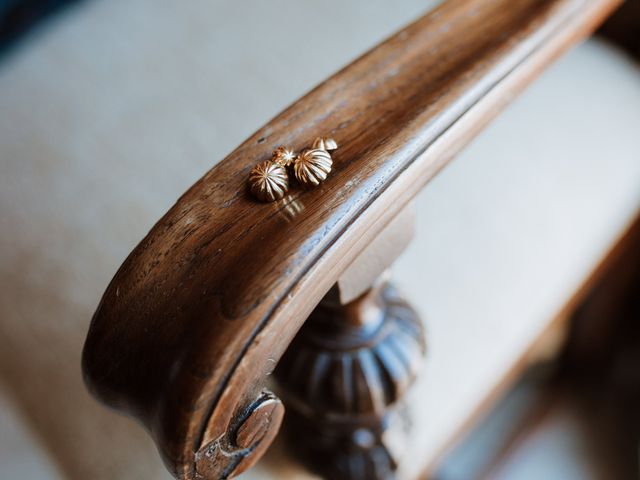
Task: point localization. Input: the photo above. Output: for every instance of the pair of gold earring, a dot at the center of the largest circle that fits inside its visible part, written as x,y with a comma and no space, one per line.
269,180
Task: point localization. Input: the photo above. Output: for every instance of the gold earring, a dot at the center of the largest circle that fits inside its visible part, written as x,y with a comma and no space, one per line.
313,165
268,180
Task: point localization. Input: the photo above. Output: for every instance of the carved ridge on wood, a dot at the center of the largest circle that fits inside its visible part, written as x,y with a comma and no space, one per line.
237,450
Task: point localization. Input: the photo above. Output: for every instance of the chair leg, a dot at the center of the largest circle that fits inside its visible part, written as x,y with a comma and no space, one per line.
343,380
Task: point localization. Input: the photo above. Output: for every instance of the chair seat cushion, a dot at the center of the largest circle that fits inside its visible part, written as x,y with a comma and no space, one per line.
509,233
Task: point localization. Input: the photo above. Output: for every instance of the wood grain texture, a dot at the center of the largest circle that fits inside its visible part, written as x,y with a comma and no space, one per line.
204,307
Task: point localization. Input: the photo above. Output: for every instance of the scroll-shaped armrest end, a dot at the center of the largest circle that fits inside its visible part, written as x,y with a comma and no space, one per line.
162,377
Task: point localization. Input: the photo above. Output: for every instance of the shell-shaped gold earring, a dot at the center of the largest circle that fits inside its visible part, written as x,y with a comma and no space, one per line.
268,180
313,165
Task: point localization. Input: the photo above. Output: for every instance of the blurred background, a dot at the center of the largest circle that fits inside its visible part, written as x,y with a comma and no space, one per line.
525,265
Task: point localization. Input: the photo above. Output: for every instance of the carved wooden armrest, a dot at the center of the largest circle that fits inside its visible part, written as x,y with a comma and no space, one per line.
200,313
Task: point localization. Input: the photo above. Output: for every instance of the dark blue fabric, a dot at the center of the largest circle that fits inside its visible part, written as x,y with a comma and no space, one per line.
17,17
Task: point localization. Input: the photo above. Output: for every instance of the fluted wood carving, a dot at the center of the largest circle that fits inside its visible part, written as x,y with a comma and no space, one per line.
343,378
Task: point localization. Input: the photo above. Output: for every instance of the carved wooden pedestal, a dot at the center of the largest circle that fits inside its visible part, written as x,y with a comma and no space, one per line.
343,378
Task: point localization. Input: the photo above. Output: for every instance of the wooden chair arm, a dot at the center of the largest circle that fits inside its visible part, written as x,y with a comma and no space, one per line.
201,311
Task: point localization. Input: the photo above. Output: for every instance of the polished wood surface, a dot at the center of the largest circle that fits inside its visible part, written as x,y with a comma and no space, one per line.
202,310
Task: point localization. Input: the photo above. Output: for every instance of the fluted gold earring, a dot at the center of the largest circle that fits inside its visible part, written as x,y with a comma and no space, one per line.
313,165
268,180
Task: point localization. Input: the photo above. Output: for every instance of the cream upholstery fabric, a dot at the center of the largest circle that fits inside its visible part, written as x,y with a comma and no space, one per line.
510,230
111,112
